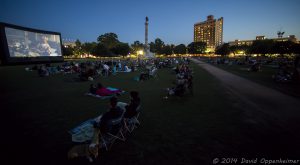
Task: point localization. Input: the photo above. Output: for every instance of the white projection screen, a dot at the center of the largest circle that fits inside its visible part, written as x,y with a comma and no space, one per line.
21,44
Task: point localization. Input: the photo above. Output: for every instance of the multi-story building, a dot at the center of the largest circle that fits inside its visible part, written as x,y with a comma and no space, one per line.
68,43
249,42
210,32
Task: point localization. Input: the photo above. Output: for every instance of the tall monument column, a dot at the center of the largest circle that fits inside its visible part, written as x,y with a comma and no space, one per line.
146,37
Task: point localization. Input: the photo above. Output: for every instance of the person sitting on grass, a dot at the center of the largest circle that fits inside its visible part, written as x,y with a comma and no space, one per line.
255,67
103,91
297,68
189,83
114,112
131,108
93,89
184,82
143,76
42,71
104,126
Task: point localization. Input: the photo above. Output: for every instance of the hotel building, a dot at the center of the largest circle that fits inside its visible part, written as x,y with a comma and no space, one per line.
210,32
291,38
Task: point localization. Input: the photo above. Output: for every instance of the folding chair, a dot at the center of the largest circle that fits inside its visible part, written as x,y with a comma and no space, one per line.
131,123
117,129
116,132
153,72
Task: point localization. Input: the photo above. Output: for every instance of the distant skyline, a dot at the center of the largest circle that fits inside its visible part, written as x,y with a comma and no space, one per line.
170,20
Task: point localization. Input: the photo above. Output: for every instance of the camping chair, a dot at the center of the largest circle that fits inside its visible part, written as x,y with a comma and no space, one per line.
153,72
116,132
117,129
131,123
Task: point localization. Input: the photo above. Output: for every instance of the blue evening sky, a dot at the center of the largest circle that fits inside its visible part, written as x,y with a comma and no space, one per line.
170,20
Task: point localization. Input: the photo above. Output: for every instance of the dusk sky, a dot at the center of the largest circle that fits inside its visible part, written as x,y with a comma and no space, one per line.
170,20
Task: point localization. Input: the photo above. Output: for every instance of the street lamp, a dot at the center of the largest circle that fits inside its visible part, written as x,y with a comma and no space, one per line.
140,52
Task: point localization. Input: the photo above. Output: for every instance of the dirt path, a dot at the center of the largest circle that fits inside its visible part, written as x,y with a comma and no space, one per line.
256,99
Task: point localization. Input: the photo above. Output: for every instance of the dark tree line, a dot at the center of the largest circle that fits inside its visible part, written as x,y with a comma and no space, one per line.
159,47
262,47
108,44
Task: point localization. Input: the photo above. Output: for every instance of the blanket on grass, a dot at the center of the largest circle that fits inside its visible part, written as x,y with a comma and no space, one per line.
84,132
98,96
104,97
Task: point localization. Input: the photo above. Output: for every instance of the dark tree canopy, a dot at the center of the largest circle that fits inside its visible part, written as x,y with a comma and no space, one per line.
136,46
88,47
166,50
262,47
101,50
110,40
157,46
286,47
78,49
197,47
180,49
67,51
236,49
223,49
121,49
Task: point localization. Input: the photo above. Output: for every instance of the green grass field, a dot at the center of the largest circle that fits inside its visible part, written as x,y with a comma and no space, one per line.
264,77
189,130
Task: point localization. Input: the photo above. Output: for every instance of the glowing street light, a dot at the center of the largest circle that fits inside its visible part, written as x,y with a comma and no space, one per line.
140,52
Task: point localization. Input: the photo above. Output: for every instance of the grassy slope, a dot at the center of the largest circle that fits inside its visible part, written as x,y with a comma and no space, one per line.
189,130
264,77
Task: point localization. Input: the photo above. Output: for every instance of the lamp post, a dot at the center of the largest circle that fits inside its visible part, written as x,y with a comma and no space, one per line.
146,36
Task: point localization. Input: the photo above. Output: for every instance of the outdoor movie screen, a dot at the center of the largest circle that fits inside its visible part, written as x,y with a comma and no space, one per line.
22,43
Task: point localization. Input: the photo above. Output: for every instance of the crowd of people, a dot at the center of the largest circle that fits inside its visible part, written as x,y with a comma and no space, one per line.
89,70
287,68
118,110
121,117
183,82
117,120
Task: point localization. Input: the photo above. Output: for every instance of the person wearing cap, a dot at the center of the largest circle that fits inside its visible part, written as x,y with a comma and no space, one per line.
133,105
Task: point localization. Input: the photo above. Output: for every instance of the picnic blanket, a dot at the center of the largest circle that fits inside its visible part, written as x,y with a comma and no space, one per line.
98,96
84,132
104,97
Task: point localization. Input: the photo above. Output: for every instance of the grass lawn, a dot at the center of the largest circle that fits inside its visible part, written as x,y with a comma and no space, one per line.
189,130
264,77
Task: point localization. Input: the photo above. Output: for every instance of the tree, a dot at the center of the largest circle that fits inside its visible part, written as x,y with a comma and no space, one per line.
236,49
283,47
172,48
101,50
152,47
262,47
109,40
166,50
77,49
296,49
136,46
157,46
77,43
223,49
67,51
88,47
121,49
197,47
180,49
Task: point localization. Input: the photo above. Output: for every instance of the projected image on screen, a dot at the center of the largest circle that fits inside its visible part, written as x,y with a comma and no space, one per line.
32,44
